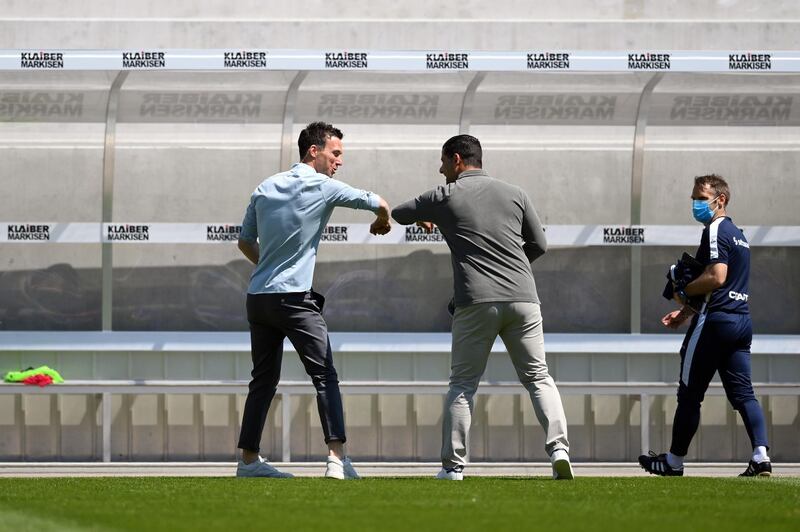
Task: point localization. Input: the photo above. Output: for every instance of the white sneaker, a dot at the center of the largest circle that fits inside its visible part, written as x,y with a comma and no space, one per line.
340,469
455,473
260,468
562,469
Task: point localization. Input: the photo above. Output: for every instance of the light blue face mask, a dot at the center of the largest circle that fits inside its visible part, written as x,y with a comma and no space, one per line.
701,210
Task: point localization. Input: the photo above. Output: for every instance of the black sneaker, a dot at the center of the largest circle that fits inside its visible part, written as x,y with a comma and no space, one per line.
656,464
755,469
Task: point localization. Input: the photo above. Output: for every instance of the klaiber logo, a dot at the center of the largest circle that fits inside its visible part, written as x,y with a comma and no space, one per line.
548,61
128,232
555,107
348,60
749,61
447,61
417,234
649,61
223,233
28,105
334,233
208,106
623,235
378,106
28,232
245,59
143,59
732,108
43,60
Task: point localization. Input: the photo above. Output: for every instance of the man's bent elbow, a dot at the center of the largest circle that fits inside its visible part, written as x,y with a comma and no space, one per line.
402,216
534,250
543,247
249,250
719,274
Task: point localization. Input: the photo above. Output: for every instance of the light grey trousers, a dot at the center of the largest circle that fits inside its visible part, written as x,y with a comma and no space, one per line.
475,328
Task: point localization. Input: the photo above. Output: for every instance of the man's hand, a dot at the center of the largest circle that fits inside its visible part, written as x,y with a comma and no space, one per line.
382,223
428,226
380,226
674,319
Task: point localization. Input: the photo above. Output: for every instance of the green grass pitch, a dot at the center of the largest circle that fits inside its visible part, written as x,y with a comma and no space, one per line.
403,504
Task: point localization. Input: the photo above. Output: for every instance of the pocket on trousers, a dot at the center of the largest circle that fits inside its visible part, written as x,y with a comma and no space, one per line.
318,299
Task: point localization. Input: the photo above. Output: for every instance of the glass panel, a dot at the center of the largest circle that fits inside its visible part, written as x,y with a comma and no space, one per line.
52,129
394,125
743,127
747,129
567,140
191,147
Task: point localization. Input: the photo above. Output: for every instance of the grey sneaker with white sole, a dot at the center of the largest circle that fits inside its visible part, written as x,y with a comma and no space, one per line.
260,468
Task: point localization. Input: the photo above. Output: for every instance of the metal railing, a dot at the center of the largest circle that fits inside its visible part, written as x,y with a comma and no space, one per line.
287,390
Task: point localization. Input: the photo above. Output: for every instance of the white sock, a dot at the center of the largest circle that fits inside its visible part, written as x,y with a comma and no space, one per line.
760,454
675,462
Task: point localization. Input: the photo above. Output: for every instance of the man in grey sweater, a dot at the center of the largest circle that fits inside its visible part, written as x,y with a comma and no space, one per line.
494,234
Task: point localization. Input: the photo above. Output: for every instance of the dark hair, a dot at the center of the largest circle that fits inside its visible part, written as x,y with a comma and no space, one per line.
716,183
467,146
316,134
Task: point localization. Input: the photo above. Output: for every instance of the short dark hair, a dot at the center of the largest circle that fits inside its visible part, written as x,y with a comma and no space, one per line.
716,183
467,146
316,134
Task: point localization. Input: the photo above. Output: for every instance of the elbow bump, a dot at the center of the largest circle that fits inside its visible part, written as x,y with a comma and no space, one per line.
398,217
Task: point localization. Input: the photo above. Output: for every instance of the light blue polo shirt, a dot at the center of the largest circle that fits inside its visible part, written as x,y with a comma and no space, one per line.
287,213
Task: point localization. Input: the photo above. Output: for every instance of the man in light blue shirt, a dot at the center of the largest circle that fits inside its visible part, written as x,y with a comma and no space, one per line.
288,213
280,234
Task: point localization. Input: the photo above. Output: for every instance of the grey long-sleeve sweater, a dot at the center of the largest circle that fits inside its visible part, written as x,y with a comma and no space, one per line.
493,233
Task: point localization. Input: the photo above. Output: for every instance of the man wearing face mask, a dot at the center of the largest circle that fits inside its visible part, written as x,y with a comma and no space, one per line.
719,336
280,235
494,234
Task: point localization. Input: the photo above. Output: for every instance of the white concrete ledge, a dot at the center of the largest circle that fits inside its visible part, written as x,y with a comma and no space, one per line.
288,389
191,387
410,342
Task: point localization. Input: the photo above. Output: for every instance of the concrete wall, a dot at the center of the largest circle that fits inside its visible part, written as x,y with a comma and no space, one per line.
597,10
577,24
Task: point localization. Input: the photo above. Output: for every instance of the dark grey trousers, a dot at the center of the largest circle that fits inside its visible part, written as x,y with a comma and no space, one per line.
297,316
